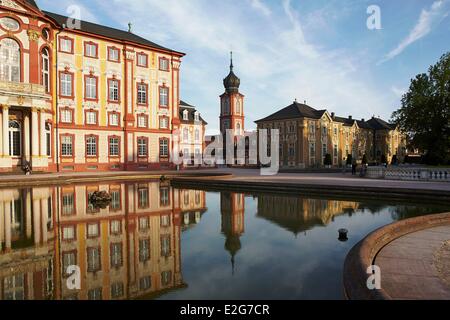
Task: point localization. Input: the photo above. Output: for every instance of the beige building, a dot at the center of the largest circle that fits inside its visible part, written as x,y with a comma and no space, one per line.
307,135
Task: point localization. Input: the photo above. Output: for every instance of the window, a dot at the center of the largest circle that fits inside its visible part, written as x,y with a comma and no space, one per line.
197,135
116,227
66,45
186,198
163,64
45,69
90,50
143,203
66,84
90,87
113,54
116,255
142,146
196,116
91,146
113,89
238,106
46,34
335,131
14,287
117,290
324,131
185,115
164,196
197,197
312,150
114,147
142,93
93,230
93,259
165,246
164,147
163,97
335,150
68,204
142,121
15,138
142,60
91,117
95,294
67,146
291,150
113,119
185,135
145,283
166,277
69,259
48,138
165,221
164,123
68,233
324,149
66,115
144,250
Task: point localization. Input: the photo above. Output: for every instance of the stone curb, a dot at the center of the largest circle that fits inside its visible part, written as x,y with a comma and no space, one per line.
219,182
363,254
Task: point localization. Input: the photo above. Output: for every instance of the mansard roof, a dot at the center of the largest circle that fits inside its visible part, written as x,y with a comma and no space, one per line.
295,110
191,113
380,124
117,34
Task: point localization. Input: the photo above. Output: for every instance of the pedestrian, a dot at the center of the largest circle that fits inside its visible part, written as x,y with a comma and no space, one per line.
354,168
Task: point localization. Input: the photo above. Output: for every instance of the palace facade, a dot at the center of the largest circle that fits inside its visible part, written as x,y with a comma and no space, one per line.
77,96
307,135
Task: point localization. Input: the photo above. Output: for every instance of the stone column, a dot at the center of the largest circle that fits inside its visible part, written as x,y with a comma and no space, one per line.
34,137
26,133
36,221
7,208
43,137
5,130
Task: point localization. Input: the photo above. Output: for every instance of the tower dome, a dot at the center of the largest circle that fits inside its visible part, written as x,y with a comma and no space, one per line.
231,82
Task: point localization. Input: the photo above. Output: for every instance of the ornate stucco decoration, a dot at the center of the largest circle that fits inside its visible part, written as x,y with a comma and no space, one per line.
33,35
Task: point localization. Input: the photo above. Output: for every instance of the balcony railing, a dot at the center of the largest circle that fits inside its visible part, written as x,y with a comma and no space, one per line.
22,88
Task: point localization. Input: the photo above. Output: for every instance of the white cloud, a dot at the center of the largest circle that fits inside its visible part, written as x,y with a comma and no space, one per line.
428,18
261,7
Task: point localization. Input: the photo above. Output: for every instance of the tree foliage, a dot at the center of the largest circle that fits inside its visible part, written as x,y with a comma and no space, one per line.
425,112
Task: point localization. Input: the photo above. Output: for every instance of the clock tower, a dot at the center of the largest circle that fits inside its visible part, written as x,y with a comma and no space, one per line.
232,104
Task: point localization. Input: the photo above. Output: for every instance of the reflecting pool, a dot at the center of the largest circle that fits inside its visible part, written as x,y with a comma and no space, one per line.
152,241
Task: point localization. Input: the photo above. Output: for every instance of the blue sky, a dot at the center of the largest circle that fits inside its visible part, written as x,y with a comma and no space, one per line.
320,51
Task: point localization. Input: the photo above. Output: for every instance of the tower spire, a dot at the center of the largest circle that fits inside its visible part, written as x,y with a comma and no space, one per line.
231,61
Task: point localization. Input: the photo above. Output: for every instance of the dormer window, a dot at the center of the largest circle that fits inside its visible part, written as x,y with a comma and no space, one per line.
185,115
197,116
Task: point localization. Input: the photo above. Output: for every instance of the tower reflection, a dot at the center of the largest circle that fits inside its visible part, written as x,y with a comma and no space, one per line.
129,250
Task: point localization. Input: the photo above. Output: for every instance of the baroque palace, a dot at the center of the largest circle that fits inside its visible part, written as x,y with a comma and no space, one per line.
78,96
307,135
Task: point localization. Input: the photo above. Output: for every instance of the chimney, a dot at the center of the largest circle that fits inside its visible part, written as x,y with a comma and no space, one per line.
332,115
363,120
350,117
129,27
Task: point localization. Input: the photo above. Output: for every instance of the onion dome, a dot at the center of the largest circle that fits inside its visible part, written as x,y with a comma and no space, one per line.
231,82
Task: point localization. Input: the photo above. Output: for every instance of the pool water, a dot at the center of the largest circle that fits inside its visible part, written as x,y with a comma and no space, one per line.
153,241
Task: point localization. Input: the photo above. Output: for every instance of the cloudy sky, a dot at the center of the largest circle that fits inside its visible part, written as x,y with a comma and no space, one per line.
319,51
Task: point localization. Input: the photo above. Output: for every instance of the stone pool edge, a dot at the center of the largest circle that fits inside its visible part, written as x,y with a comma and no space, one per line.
363,254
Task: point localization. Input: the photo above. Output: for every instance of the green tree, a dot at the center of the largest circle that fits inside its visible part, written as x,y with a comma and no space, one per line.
425,112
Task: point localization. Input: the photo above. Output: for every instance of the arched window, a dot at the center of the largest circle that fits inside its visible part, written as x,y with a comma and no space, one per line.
45,65
238,106
238,128
9,60
15,141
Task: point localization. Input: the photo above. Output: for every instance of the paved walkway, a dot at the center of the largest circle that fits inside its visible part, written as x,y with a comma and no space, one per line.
417,265
249,175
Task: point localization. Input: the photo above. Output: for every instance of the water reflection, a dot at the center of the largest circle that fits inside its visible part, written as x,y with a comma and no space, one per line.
131,249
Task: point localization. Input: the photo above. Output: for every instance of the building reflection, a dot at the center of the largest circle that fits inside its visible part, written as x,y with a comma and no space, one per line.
232,209
131,249
301,214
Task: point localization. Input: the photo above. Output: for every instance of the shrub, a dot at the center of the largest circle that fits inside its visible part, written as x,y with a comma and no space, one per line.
327,160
